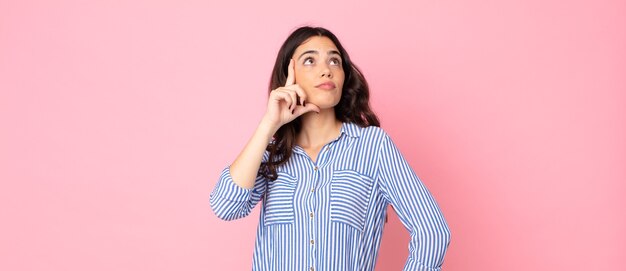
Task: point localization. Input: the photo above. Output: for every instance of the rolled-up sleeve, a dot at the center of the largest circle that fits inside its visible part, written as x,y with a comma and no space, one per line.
417,209
229,201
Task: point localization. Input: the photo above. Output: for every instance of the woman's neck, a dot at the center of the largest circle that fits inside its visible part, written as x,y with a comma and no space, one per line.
318,129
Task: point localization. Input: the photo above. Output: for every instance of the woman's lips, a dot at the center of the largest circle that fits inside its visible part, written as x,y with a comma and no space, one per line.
326,85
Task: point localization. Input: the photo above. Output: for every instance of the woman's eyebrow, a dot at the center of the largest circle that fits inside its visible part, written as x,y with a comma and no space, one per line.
331,52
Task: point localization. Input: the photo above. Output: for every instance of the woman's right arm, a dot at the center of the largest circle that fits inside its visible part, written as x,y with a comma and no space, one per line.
245,168
240,186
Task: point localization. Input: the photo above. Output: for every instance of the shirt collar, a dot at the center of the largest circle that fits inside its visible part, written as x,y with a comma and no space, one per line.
350,129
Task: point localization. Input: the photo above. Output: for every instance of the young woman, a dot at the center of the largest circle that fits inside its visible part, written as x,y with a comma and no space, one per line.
325,170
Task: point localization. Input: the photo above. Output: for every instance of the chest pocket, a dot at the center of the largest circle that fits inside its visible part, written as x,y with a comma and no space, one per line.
279,200
349,198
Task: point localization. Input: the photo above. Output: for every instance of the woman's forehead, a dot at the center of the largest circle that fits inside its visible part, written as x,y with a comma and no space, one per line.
318,44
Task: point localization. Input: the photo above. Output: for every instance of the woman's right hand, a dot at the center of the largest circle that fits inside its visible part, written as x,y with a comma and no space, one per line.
287,103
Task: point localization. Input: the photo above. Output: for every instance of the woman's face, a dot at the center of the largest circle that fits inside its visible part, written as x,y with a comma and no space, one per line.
319,71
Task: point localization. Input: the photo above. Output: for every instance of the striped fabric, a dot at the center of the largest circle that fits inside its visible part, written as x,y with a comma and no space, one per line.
329,214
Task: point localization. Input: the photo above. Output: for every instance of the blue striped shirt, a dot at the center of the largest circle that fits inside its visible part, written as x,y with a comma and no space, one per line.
329,214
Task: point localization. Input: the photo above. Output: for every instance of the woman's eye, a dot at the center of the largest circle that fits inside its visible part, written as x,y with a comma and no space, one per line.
308,61
335,61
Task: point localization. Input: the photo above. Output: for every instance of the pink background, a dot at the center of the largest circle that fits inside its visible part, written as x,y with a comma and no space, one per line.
117,118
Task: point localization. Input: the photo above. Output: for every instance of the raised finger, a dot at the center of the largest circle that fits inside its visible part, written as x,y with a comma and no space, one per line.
291,76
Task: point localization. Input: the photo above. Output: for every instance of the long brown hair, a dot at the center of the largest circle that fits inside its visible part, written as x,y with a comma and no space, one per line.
352,107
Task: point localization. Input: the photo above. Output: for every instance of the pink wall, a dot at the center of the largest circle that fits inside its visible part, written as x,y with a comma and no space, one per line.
117,117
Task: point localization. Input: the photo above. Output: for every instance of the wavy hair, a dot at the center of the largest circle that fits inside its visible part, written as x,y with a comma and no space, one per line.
352,107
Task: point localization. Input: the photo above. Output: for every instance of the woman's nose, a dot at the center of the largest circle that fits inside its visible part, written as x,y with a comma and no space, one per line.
326,72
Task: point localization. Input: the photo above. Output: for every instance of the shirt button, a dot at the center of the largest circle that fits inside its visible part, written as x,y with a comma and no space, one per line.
312,242
311,214
327,148
312,269
315,168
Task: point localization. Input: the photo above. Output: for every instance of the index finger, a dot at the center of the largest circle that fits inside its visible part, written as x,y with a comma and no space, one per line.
290,74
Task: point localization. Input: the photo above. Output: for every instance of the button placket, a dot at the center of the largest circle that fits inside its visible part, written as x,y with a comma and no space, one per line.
312,209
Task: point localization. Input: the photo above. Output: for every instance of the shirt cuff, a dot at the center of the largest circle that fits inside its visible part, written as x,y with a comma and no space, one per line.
227,189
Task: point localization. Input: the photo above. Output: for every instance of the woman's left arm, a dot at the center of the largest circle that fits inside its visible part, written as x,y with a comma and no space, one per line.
416,208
